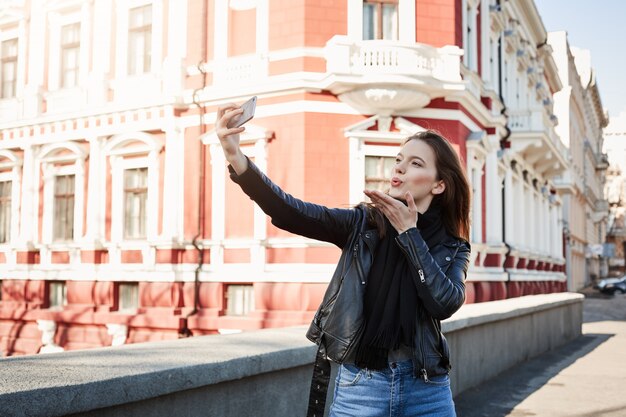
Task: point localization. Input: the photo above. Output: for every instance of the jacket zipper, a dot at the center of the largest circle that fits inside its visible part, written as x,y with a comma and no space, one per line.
358,265
423,370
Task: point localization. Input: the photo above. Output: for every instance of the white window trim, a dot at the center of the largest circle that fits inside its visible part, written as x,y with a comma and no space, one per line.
470,13
20,35
50,171
117,154
15,178
57,22
406,20
123,7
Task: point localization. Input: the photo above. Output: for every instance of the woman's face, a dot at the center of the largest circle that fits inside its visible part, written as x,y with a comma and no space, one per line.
415,171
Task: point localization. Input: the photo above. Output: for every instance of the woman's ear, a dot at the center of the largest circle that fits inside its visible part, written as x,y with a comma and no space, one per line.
439,187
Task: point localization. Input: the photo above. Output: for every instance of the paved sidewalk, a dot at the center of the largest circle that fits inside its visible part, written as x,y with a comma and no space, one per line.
585,378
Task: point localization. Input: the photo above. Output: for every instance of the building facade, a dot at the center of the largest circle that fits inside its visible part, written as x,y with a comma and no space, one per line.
615,191
581,122
119,222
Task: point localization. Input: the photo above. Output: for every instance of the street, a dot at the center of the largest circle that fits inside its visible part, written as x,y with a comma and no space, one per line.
584,378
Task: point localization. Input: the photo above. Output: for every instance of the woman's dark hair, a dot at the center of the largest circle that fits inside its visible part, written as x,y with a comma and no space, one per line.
455,199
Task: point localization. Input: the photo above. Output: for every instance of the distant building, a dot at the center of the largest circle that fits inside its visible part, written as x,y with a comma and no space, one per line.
615,190
117,218
581,122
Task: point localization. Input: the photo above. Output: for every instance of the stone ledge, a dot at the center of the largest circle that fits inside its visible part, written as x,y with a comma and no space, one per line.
160,373
77,381
481,313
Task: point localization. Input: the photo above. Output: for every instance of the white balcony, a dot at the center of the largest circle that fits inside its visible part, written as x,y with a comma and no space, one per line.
534,138
384,77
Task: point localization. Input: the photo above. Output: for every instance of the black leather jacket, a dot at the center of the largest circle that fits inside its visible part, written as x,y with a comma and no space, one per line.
439,273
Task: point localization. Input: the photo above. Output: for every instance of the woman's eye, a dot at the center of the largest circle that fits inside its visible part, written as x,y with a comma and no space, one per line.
417,164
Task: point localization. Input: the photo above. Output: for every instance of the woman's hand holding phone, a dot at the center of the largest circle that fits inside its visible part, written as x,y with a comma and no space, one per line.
229,137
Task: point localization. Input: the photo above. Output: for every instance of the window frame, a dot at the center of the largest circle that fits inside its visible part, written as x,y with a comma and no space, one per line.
247,307
63,47
121,157
119,287
56,236
379,14
54,165
147,31
64,295
126,234
13,173
3,61
122,38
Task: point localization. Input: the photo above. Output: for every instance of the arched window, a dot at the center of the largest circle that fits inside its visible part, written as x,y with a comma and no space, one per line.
134,165
63,168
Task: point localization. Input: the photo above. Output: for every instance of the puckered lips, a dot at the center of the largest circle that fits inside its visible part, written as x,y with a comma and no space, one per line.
396,182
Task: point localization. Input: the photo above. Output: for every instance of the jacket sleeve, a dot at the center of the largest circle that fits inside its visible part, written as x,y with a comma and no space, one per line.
294,215
442,293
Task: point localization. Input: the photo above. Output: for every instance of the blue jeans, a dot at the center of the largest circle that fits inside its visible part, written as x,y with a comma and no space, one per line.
392,392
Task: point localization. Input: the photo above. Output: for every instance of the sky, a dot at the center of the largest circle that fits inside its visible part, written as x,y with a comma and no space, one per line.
600,26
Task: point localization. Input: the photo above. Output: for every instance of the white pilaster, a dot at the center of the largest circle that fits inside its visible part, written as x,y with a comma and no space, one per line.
173,184
218,204
262,26
220,30
406,20
28,215
485,41
102,12
510,209
95,193
36,38
355,20
493,199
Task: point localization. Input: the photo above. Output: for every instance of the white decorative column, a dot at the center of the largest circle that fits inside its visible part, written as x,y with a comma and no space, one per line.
36,38
173,67
27,212
173,184
406,20
220,30
485,42
218,205
493,199
102,11
48,328
95,193
509,208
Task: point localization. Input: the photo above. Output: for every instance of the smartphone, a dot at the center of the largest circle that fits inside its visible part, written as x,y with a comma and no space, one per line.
248,113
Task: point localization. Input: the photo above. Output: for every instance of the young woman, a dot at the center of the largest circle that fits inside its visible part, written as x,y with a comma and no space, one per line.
402,269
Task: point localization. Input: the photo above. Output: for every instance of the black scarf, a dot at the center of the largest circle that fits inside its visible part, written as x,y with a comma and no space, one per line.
390,305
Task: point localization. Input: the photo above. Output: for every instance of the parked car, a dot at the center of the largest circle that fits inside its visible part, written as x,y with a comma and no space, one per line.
612,285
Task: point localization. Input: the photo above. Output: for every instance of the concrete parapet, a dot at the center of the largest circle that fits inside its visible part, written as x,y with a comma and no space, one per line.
261,373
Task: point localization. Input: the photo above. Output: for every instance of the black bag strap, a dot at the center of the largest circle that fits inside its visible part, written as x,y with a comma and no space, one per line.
319,384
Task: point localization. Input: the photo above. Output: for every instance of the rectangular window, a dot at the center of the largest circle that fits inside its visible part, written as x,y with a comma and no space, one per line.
378,171
57,297
128,296
5,211
8,70
63,207
380,19
139,39
239,299
70,55
135,198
